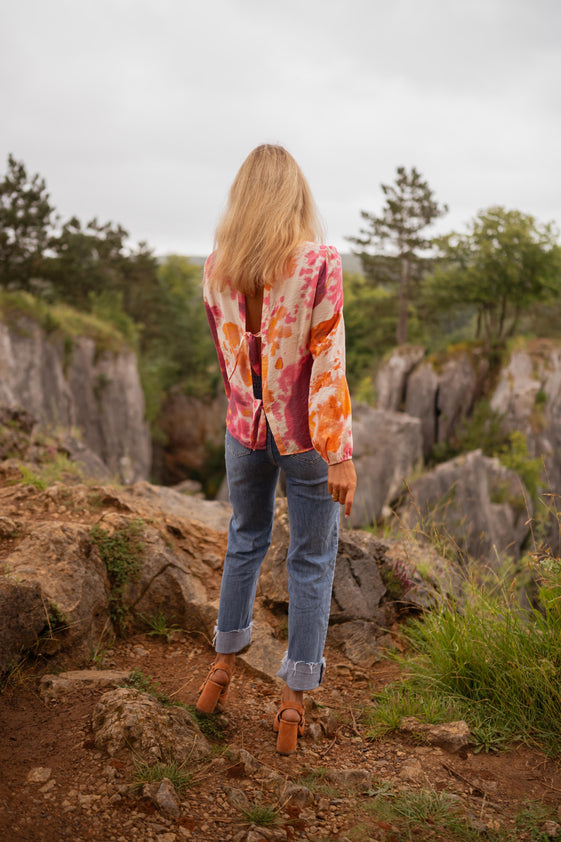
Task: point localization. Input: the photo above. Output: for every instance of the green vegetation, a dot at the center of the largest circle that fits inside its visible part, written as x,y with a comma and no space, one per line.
175,772
120,552
158,625
317,781
261,815
211,726
484,430
147,684
393,244
504,264
487,661
425,815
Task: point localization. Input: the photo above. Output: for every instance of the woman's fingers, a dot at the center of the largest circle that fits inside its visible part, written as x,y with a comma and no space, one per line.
341,483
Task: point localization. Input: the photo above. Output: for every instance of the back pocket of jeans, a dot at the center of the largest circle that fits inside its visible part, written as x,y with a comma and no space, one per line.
235,448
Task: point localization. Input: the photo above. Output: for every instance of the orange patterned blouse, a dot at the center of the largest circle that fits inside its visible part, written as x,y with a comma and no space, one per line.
305,394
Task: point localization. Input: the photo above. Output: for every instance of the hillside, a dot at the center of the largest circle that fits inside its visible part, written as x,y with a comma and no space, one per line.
74,753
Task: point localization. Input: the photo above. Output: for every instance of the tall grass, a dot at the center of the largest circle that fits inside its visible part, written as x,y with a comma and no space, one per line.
489,661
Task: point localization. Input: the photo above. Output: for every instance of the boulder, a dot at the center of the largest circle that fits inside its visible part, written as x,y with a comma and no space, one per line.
528,397
56,686
391,380
56,559
387,449
475,503
23,616
125,718
453,737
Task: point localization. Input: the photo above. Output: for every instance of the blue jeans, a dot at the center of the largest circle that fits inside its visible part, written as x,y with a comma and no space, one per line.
314,533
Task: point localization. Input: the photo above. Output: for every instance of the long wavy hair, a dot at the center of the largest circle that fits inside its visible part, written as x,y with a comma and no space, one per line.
270,211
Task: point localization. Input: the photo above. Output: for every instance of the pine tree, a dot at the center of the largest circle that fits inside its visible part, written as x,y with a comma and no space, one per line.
393,245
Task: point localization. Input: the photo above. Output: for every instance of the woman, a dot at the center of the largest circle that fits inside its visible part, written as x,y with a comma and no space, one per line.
274,302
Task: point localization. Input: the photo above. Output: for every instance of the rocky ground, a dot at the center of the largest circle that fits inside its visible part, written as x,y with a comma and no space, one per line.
62,779
57,785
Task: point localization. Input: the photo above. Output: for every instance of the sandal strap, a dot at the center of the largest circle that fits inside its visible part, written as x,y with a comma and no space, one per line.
291,706
219,665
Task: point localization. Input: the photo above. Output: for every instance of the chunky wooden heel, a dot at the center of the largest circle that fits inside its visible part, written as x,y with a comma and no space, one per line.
288,731
212,694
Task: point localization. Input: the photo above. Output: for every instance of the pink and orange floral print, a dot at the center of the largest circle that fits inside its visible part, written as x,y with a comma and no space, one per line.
305,394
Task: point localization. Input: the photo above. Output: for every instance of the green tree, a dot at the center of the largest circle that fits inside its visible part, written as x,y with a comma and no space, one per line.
26,219
393,246
177,348
504,263
87,260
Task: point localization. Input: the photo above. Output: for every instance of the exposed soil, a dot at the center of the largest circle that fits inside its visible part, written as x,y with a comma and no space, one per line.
86,796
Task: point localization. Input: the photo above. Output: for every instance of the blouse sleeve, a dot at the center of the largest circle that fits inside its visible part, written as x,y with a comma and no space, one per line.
329,408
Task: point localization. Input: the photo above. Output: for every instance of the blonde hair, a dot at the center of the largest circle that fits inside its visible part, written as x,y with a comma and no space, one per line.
270,211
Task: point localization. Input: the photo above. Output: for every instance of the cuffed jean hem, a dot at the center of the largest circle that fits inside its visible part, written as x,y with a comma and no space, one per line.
300,675
227,643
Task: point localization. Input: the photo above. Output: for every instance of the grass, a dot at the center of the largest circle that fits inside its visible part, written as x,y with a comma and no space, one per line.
147,684
210,726
176,772
317,781
64,322
262,815
60,468
487,661
412,816
121,553
159,626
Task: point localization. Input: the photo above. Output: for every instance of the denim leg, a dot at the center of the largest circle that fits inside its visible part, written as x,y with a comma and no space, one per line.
314,533
252,481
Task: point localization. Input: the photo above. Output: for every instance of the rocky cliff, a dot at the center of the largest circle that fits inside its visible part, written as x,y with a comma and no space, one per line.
74,381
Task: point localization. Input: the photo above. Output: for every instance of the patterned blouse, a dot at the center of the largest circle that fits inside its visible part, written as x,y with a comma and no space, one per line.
305,394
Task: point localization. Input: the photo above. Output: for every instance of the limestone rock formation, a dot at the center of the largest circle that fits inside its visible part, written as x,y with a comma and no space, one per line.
438,392
74,384
528,396
392,376
476,502
387,449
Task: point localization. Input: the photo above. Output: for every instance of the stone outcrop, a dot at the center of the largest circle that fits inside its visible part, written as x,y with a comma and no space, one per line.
476,503
72,383
387,449
54,573
528,397
391,380
125,718
73,584
420,402
440,392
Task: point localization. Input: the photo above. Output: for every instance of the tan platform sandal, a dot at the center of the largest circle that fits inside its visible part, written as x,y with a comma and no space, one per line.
212,694
288,732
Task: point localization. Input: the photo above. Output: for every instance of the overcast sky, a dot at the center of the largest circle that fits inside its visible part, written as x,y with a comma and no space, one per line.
141,111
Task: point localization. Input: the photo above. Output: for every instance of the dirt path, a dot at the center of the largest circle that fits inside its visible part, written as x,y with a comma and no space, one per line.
87,796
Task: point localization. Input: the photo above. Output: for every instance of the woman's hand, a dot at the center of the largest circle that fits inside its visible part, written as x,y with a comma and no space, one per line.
341,482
